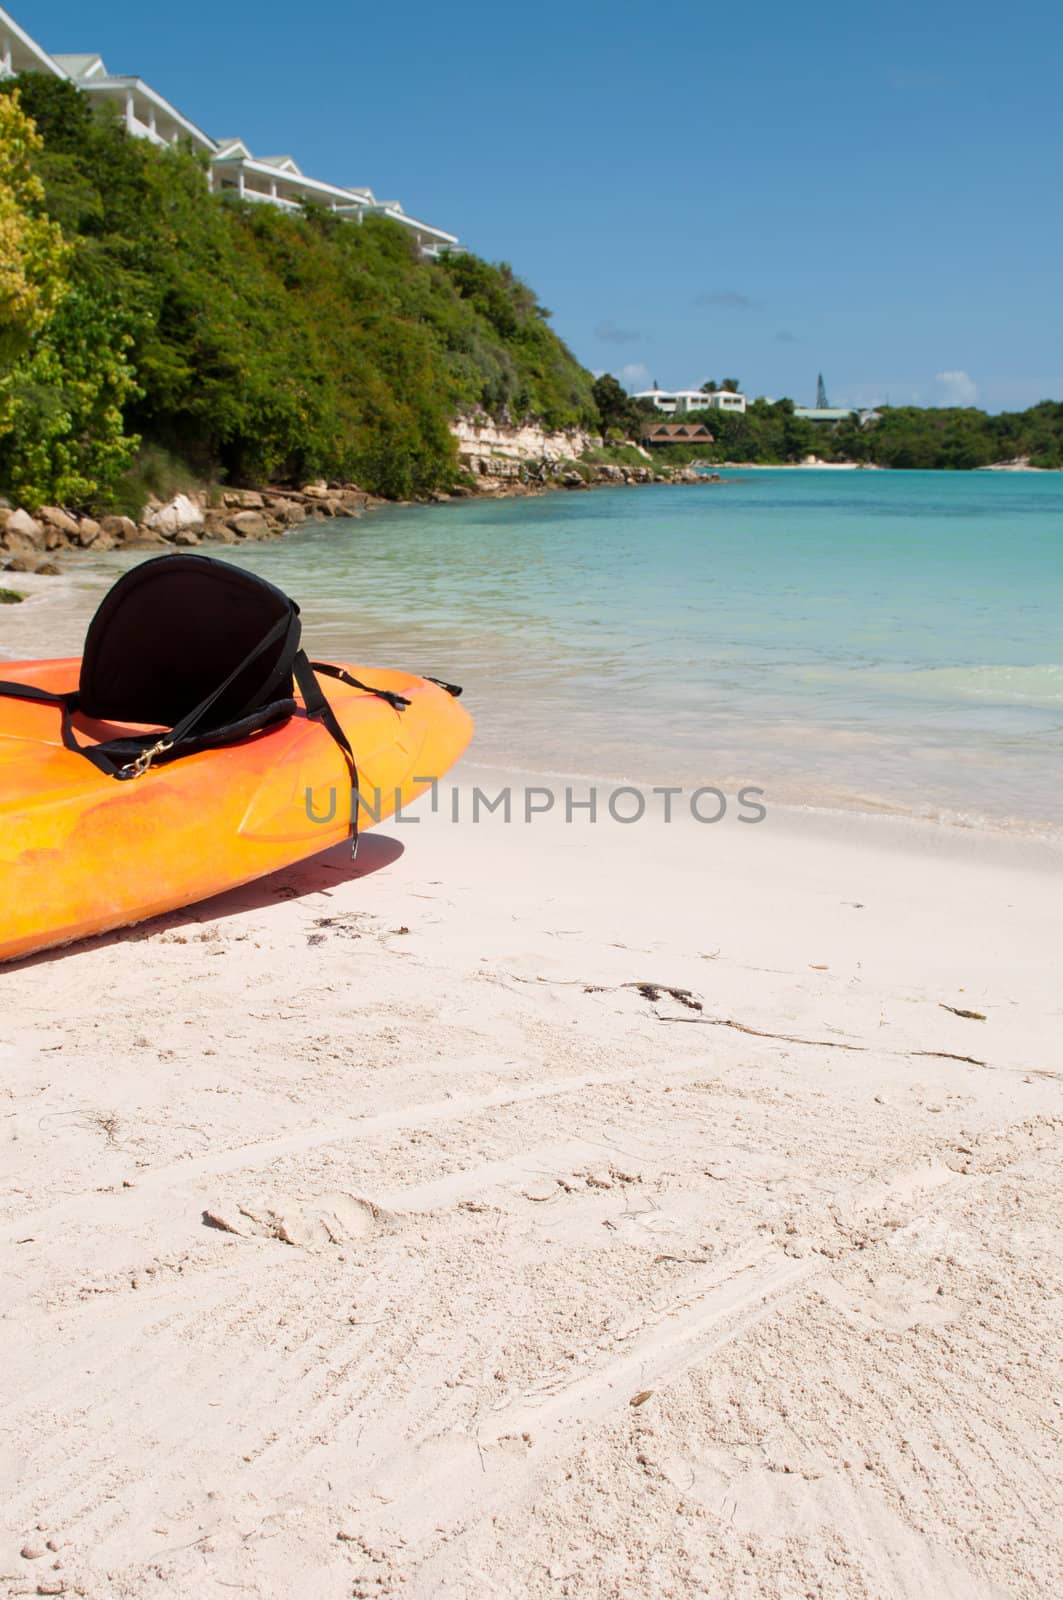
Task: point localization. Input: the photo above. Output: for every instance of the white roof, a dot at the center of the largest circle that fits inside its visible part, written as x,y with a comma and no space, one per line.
82,66
231,148
397,214
39,55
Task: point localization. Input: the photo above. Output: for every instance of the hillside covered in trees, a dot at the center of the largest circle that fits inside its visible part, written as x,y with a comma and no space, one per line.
149,328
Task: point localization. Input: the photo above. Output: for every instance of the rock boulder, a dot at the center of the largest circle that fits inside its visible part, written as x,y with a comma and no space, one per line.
144,538
249,525
288,512
56,517
23,532
119,528
353,501
182,514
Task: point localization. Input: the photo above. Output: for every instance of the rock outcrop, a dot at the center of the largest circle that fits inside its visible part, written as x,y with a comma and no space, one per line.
182,514
182,522
119,528
249,525
22,532
484,444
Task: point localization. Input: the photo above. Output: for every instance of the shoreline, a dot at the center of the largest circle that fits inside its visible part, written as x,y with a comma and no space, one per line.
30,544
822,813
264,514
594,1214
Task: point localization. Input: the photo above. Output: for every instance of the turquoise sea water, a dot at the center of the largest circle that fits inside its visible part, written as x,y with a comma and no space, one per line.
869,639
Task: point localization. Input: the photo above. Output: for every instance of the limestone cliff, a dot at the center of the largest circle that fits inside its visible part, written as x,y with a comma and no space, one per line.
494,449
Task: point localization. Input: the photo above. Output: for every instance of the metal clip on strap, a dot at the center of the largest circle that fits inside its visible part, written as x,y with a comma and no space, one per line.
137,768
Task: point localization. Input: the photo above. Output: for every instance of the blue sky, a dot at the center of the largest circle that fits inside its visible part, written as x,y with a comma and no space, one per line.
694,189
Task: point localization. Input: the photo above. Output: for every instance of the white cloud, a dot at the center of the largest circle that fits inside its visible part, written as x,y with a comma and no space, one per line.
959,387
635,375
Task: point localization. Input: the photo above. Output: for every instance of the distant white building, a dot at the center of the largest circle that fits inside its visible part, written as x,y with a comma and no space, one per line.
823,413
431,242
679,402
146,114
279,181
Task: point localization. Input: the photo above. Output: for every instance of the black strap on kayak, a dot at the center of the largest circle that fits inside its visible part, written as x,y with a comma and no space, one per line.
398,702
132,755
319,709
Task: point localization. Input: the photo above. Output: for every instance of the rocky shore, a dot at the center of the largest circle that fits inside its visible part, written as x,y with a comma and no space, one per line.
31,542
497,476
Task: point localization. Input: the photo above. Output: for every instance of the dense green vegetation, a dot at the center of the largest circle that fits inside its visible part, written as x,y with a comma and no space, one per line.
150,330
956,437
900,436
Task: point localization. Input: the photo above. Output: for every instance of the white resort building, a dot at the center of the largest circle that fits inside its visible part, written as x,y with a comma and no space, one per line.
146,114
679,402
823,413
278,181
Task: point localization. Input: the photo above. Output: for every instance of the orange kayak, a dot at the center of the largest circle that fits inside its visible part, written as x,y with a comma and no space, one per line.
81,853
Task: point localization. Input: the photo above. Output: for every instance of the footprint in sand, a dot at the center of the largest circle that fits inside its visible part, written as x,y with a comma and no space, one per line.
328,1219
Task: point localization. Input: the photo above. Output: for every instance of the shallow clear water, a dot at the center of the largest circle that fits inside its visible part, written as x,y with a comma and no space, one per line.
872,639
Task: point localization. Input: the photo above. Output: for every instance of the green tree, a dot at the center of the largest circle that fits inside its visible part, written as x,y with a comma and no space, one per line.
33,257
66,378
62,435
616,407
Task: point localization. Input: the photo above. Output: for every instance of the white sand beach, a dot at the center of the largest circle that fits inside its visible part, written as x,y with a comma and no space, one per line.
394,1230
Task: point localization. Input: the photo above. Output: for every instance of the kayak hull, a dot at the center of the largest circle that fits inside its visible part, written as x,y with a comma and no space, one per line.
82,853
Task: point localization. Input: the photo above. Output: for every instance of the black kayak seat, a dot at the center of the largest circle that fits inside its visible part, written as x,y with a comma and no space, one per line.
202,650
